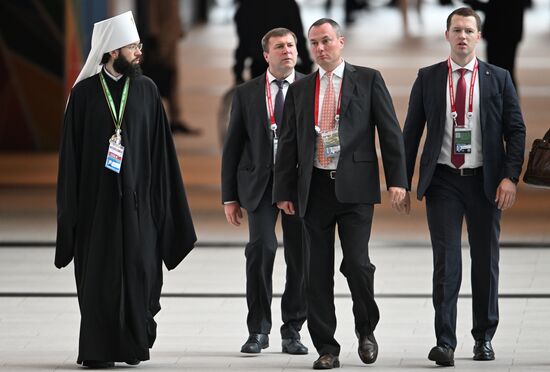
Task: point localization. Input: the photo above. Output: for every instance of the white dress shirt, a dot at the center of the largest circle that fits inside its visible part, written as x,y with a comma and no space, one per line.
275,89
475,158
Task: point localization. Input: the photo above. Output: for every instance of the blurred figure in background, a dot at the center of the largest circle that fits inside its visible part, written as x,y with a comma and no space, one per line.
162,31
253,20
502,30
404,7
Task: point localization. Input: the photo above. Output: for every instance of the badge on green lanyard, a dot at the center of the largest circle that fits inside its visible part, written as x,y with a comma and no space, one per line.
116,150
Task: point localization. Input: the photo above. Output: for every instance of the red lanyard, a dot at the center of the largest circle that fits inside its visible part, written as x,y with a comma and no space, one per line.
271,111
317,93
452,94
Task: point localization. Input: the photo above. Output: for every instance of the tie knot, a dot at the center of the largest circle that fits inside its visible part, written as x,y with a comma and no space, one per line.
462,71
329,75
280,83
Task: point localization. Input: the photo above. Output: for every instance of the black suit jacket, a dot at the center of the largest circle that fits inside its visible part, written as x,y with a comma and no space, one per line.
247,161
366,107
500,119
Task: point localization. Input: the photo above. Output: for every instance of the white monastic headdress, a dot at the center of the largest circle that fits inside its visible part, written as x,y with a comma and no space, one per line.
108,35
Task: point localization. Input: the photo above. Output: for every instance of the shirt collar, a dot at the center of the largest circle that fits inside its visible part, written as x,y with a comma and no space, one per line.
338,71
289,79
469,66
115,78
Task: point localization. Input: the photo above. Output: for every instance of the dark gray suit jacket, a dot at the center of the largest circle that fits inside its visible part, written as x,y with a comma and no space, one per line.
247,161
366,108
500,117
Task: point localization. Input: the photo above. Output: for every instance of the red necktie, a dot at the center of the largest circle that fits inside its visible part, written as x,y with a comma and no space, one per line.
460,104
328,112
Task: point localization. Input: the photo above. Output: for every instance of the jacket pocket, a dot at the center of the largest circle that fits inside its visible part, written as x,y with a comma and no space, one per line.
360,156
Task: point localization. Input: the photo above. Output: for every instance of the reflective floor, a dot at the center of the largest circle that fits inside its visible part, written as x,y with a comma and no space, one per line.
203,321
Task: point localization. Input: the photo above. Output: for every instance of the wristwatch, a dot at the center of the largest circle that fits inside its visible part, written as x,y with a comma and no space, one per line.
514,179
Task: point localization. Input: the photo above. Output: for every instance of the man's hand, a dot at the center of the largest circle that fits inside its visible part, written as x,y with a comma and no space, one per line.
397,194
405,205
233,213
506,194
287,207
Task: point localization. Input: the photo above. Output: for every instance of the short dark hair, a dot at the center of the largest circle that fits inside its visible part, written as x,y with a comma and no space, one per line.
276,32
335,26
464,12
105,58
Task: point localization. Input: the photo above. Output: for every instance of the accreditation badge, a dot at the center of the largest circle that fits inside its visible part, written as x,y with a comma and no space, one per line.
114,157
462,140
331,143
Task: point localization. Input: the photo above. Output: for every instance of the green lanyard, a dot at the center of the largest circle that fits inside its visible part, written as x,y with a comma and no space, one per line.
117,119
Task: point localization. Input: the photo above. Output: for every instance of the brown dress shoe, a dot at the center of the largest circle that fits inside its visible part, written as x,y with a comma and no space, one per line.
326,361
368,349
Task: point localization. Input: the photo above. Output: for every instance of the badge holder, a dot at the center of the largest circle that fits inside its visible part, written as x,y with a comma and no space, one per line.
275,141
462,137
115,152
331,140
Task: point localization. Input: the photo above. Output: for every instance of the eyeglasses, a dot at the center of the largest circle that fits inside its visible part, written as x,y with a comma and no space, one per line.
133,47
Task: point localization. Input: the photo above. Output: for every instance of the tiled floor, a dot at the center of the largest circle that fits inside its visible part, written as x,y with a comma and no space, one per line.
202,324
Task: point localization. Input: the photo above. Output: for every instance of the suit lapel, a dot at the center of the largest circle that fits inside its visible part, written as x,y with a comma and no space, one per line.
348,86
441,81
259,101
309,109
483,76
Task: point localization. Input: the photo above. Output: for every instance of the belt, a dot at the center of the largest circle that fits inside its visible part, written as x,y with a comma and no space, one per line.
325,172
462,171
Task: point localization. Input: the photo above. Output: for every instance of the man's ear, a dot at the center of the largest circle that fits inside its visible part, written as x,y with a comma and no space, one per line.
114,53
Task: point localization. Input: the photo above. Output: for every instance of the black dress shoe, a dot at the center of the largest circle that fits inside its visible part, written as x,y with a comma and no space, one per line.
442,356
95,364
483,350
255,343
368,349
293,346
133,362
326,361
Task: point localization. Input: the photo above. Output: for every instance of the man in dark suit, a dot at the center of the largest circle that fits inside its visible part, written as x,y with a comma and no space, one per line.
334,176
469,167
247,178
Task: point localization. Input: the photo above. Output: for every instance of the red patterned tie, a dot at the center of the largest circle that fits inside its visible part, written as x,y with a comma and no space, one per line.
460,104
328,112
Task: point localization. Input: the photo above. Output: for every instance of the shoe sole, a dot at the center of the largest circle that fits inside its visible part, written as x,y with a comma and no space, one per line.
334,365
369,361
256,352
285,350
439,362
484,359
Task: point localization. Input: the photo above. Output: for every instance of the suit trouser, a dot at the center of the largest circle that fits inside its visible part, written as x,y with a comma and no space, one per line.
260,256
354,221
449,199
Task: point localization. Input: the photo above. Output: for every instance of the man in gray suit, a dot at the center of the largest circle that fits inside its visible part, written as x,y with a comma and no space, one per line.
247,178
327,160
469,167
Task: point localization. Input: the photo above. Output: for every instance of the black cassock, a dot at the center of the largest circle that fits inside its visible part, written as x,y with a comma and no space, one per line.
119,227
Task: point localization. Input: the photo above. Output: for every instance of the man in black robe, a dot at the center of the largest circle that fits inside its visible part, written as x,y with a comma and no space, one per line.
118,226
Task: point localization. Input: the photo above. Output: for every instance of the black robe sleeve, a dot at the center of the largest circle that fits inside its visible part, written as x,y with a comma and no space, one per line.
67,188
169,202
